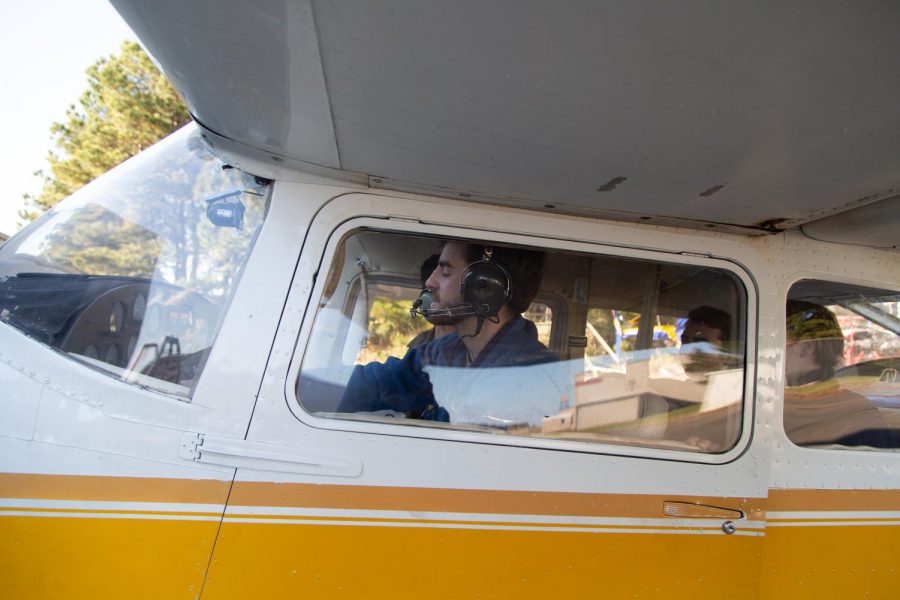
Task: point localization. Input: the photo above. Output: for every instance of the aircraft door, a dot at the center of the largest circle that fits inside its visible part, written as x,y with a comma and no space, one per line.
835,502
625,466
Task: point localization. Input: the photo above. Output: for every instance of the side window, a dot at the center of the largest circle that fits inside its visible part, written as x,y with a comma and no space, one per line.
132,273
528,342
841,361
390,330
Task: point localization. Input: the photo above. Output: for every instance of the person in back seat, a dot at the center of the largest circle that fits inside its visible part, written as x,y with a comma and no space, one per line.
817,410
704,342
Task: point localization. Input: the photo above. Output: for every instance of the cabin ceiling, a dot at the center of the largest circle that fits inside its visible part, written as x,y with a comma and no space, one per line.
760,115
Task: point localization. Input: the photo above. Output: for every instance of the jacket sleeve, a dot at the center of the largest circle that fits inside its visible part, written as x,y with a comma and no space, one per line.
399,385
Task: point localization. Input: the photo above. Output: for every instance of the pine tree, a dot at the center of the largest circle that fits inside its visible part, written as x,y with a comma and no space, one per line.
128,106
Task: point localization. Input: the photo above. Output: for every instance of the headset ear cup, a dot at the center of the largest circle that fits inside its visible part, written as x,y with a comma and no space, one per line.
485,285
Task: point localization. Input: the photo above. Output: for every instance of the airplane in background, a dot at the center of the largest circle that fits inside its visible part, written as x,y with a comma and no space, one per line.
179,339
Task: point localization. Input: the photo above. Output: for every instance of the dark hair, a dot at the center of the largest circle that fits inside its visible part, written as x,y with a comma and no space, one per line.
815,323
428,268
712,317
525,268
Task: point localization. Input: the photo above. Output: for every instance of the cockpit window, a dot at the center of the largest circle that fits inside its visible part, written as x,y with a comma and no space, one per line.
131,274
529,342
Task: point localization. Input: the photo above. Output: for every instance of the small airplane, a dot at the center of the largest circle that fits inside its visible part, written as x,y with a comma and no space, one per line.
472,299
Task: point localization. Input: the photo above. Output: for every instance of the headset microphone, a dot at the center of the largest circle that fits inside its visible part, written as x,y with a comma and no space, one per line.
422,306
423,302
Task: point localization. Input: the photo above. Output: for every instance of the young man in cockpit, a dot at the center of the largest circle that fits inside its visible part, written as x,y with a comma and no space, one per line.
480,291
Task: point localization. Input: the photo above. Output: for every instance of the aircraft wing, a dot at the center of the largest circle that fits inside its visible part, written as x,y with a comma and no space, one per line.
755,116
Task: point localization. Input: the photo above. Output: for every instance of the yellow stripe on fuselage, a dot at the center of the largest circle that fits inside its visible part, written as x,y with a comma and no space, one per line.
95,537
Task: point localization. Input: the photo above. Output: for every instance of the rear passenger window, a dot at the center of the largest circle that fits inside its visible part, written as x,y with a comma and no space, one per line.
529,342
842,357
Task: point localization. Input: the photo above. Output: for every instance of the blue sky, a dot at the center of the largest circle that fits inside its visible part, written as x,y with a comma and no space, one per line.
46,46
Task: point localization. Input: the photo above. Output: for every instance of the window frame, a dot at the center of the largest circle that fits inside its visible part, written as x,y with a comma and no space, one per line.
832,452
335,231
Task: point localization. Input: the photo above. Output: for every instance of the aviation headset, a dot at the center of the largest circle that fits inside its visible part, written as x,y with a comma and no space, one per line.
485,285
484,288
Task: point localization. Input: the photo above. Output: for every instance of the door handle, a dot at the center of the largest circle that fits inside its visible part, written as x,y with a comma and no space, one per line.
232,452
687,510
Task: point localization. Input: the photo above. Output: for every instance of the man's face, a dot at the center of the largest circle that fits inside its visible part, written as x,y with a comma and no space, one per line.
445,280
695,332
701,345
799,360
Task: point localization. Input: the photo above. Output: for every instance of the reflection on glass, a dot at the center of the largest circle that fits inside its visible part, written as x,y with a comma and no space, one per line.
841,362
660,364
138,238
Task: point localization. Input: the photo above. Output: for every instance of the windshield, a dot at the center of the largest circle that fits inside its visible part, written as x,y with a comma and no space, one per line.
131,274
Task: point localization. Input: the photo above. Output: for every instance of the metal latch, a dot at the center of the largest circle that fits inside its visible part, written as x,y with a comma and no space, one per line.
189,444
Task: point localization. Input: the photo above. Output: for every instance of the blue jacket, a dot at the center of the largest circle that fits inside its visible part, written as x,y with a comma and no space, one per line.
407,385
